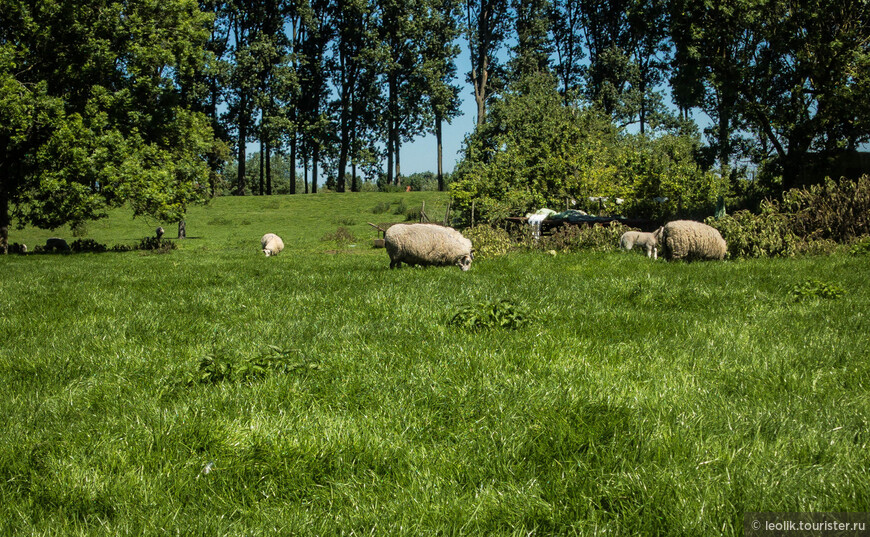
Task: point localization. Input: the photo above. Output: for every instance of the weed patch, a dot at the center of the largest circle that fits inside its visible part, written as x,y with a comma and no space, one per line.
816,289
490,314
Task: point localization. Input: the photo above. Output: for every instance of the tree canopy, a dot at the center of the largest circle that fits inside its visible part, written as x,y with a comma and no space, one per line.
94,111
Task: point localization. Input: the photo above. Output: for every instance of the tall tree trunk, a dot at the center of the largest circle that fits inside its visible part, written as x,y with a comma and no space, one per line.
243,137
305,172
315,162
262,188
293,163
392,128
398,161
4,221
440,153
340,185
354,182
268,169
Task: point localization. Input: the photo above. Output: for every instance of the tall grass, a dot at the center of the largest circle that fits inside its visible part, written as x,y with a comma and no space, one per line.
637,398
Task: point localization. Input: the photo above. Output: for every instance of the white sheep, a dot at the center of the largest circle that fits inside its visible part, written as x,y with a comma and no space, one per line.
687,239
427,244
271,244
649,241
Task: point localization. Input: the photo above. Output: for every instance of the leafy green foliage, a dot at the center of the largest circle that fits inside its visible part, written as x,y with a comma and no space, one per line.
488,241
227,366
814,288
342,235
534,152
490,314
812,220
157,245
95,117
599,238
835,210
860,248
87,245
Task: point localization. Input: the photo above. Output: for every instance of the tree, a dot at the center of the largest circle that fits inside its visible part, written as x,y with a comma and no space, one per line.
93,112
486,27
438,69
531,55
567,44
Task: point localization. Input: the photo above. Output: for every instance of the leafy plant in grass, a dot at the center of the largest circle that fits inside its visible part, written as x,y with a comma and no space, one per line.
227,366
381,208
490,314
814,288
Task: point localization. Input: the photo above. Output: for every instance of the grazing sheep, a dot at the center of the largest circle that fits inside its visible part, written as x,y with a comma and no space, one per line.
427,244
159,232
55,244
686,239
272,244
649,241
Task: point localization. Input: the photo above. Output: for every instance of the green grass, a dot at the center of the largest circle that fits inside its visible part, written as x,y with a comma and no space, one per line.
636,398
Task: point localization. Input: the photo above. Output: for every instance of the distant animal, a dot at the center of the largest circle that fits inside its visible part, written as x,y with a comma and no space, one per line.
687,239
271,244
648,241
427,244
56,244
17,248
159,232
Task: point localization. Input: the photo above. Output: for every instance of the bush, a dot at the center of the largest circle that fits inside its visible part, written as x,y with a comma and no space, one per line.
835,210
757,235
381,208
87,245
488,241
159,246
601,238
490,314
861,247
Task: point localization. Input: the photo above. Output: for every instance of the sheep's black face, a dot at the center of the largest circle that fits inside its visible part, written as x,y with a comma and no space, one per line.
464,262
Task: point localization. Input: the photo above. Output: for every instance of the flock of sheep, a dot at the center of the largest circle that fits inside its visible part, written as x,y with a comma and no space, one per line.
427,244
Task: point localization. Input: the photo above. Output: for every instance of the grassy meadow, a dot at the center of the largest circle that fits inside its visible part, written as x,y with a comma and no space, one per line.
214,391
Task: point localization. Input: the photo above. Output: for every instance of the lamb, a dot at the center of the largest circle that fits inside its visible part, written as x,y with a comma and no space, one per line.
427,244
271,244
686,239
56,244
649,241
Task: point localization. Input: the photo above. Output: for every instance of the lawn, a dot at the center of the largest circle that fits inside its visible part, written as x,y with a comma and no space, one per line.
212,390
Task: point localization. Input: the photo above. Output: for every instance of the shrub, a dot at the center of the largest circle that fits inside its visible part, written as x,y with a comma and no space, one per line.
380,208
87,245
835,210
490,314
413,214
342,235
757,235
601,238
159,246
488,241
861,247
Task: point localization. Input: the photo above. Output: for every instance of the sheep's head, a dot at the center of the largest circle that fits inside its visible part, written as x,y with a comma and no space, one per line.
268,252
464,262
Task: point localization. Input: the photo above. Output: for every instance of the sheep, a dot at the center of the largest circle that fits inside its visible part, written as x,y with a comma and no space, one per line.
159,232
649,241
427,244
271,244
686,239
56,244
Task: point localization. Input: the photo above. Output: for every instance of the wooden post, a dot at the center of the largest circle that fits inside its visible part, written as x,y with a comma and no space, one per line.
447,214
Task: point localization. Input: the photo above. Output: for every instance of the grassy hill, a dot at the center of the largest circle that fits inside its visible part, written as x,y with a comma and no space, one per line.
214,391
